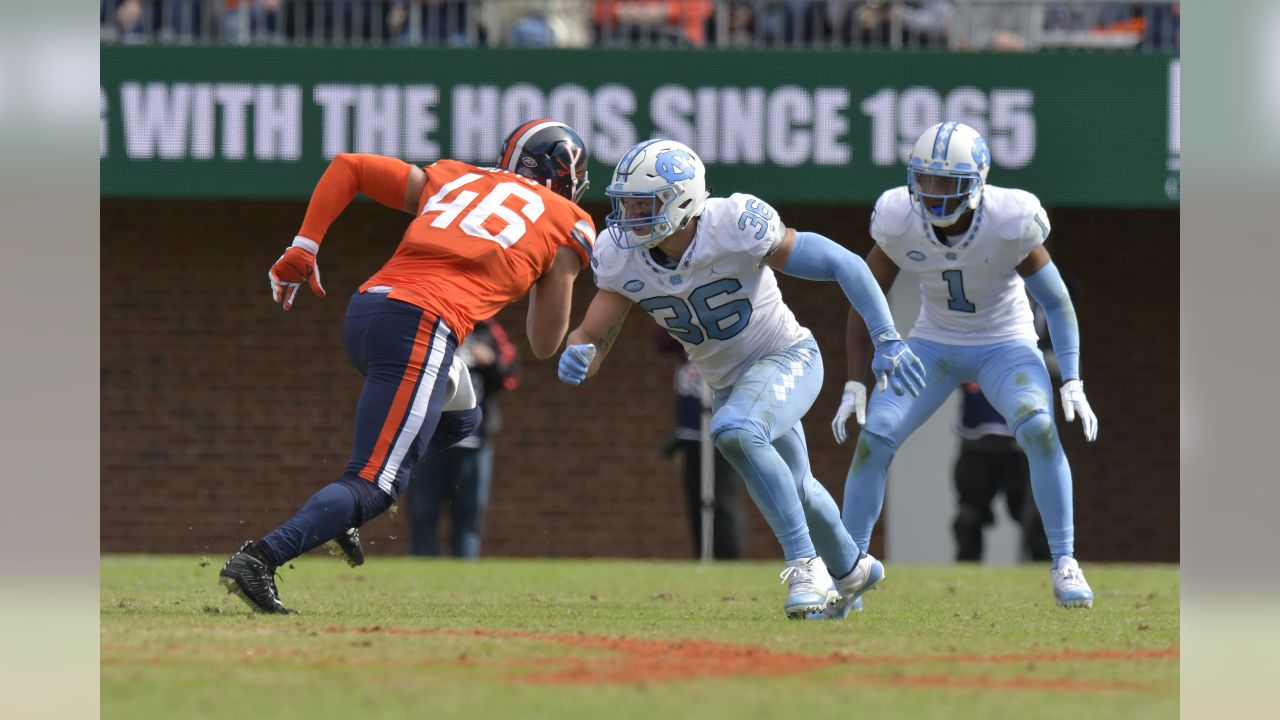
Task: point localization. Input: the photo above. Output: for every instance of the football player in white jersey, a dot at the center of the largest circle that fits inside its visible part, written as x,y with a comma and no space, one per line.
703,269
972,247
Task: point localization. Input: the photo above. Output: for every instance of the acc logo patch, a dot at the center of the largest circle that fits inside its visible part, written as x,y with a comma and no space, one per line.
633,285
916,255
529,162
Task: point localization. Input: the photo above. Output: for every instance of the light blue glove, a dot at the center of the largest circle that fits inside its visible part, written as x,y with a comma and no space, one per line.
894,365
575,361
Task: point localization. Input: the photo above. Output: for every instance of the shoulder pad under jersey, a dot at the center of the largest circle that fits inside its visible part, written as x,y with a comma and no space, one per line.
1010,210
608,261
745,223
893,214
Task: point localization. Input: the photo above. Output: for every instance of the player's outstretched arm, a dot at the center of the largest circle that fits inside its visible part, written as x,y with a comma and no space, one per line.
858,350
550,300
591,341
390,181
857,339
814,257
1045,284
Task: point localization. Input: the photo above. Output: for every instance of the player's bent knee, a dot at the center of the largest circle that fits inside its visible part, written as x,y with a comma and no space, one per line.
737,440
878,437
371,501
879,429
1036,432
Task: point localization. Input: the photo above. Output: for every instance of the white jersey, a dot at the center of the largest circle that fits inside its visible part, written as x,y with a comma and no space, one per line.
971,293
720,301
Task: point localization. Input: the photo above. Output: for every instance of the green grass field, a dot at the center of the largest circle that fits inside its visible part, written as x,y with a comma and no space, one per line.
402,637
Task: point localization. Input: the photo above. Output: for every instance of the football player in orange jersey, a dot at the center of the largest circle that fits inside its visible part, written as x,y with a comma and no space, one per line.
481,238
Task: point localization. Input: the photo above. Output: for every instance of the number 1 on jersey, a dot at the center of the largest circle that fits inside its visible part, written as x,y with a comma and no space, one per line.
955,286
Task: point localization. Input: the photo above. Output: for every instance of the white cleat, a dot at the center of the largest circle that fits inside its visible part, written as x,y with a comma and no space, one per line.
865,576
1070,588
809,587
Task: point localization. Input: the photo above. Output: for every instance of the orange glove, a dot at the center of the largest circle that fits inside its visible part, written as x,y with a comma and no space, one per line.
295,266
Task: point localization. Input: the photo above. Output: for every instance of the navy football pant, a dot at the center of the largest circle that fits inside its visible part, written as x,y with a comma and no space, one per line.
404,352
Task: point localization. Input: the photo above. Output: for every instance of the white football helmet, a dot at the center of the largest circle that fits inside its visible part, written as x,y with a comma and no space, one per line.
658,187
947,170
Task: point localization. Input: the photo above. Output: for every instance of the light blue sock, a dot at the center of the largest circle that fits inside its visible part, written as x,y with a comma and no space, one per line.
772,487
830,538
1050,481
864,487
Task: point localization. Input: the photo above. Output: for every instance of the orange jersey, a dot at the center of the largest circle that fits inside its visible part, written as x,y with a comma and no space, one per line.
481,239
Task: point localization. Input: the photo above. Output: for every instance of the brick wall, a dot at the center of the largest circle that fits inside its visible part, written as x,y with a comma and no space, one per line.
221,414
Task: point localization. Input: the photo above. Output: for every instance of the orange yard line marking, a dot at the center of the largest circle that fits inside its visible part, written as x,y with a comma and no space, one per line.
641,660
1019,682
664,660
1163,653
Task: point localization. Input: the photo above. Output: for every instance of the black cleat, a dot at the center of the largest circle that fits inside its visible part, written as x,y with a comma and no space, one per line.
346,547
251,577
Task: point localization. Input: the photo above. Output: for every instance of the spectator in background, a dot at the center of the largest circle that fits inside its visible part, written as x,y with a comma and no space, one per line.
246,21
133,21
338,22
1008,26
462,474
439,23
1163,28
1075,17
918,24
851,23
752,24
728,520
537,23
742,27
122,21
666,23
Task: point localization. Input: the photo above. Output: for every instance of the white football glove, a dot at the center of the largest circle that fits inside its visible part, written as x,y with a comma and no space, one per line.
853,402
1074,402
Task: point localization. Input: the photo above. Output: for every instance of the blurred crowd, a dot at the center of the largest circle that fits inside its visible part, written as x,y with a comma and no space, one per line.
1002,25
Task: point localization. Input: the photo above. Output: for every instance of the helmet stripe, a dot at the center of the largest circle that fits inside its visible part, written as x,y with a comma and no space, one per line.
943,140
624,165
574,154
522,135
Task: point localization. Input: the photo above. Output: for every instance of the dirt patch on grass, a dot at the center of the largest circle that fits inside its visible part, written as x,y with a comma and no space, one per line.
638,660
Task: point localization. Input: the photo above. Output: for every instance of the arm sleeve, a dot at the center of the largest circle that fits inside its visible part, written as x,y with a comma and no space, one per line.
815,257
381,178
1047,288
